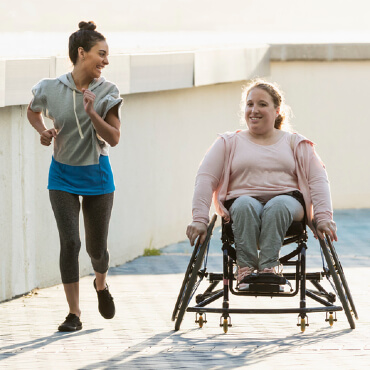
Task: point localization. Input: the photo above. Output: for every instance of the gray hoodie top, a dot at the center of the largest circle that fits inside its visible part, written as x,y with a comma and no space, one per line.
77,143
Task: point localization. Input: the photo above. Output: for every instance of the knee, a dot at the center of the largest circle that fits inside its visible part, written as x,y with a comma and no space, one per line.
276,205
244,205
70,246
276,209
99,259
97,254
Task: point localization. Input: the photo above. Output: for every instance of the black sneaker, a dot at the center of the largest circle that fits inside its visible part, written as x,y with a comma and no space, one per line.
106,304
71,323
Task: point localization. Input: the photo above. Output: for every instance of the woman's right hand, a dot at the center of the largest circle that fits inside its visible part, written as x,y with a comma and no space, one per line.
328,228
47,136
196,229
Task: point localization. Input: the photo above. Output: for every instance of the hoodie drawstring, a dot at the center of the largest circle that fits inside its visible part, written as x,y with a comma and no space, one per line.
77,120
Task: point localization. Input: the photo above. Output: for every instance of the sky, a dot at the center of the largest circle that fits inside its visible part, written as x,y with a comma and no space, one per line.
186,15
41,27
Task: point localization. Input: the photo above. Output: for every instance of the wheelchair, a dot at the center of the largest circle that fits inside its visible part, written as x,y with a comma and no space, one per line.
332,272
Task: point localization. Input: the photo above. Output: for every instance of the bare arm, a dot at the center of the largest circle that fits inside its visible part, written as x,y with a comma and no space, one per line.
37,122
108,129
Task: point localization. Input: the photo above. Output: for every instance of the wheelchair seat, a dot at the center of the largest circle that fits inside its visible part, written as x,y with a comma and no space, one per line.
296,228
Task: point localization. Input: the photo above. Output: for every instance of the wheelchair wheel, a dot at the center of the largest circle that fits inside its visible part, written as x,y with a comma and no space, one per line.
338,265
336,274
192,278
185,281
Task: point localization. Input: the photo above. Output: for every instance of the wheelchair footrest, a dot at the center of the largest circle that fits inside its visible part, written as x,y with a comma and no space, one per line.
265,282
263,288
265,278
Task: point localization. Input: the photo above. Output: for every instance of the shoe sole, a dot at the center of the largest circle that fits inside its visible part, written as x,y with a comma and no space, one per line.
107,318
66,329
243,287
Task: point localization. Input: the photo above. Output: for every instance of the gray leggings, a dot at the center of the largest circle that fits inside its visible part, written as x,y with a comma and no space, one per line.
96,211
262,226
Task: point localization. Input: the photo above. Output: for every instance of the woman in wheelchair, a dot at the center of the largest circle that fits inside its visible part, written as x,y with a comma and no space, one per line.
261,180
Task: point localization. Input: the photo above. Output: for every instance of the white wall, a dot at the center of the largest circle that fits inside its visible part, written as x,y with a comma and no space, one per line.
27,240
330,102
164,137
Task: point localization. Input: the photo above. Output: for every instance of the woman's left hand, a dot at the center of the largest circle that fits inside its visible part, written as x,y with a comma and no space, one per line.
329,228
89,98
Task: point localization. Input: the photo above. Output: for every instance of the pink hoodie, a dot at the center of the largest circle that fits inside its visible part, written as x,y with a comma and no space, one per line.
214,172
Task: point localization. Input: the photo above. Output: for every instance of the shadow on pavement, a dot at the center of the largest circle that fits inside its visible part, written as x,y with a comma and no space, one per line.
31,345
180,351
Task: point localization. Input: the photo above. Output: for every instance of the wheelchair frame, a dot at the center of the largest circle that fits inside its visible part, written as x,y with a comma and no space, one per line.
332,271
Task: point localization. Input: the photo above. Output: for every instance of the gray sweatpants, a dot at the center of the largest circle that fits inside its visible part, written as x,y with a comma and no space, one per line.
262,226
96,211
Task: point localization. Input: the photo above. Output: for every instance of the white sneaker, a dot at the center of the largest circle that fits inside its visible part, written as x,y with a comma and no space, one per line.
277,270
242,273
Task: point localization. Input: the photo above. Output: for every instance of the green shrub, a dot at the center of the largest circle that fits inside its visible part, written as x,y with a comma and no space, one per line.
151,252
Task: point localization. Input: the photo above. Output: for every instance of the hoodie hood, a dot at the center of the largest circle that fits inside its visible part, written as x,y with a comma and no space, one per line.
67,80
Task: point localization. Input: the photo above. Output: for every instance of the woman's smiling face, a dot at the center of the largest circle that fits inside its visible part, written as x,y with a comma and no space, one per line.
96,59
260,112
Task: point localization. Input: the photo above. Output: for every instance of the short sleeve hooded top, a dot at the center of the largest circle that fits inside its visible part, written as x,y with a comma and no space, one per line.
80,162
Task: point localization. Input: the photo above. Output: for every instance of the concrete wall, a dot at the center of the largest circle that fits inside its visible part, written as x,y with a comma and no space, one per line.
168,124
157,159
329,101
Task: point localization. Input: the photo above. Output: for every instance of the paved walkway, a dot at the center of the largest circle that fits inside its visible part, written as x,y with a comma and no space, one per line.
141,335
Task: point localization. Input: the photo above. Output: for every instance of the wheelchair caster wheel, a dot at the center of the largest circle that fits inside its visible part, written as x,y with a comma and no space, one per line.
330,319
225,322
225,325
201,320
302,323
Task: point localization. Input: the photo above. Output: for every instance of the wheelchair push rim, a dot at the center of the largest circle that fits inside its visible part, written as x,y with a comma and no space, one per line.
336,273
185,281
191,276
342,276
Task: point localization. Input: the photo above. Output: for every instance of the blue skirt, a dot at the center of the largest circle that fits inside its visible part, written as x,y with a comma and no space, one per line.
95,179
